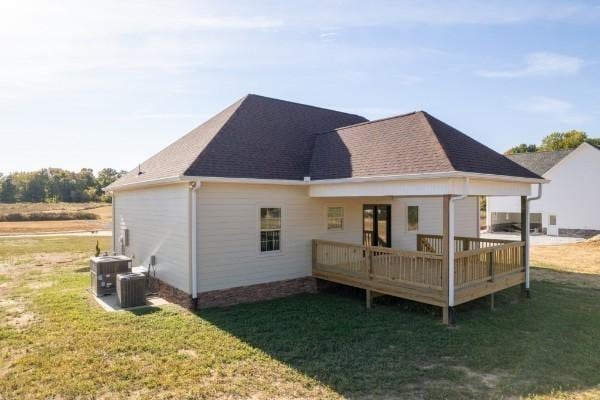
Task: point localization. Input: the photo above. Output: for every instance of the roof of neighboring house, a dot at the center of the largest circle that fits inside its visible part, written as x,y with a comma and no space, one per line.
264,138
540,162
407,144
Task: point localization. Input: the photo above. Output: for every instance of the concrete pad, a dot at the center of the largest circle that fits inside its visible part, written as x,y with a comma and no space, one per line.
536,240
109,303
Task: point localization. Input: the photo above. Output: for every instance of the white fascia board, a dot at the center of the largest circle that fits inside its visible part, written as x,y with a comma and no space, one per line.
435,176
421,187
431,175
249,180
147,183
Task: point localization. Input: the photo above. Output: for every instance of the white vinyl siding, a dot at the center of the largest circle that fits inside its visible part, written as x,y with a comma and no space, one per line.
228,229
157,219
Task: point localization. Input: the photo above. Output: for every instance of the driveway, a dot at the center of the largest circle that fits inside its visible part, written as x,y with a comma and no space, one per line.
536,240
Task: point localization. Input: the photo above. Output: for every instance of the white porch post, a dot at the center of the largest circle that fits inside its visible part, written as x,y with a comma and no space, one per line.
451,252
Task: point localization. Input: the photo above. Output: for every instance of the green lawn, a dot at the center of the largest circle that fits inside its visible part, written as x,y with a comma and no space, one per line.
56,342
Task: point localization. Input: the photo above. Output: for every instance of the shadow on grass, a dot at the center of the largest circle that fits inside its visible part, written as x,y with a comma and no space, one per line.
399,348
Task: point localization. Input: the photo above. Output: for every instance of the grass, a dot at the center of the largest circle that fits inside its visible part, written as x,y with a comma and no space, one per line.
56,342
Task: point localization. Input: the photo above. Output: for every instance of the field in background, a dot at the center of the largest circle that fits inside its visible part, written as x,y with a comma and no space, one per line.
576,263
70,211
58,343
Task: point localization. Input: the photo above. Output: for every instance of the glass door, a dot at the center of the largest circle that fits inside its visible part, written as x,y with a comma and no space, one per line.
377,225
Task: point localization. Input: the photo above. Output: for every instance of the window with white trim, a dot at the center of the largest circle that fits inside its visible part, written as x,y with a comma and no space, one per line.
412,218
270,229
335,218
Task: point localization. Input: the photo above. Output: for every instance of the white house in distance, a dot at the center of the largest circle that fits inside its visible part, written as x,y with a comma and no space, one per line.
570,203
269,195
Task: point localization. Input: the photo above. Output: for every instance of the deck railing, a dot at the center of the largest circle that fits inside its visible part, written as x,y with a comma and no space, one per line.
484,266
487,264
433,243
415,275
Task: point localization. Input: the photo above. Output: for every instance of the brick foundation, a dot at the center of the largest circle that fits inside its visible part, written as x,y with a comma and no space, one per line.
170,293
259,292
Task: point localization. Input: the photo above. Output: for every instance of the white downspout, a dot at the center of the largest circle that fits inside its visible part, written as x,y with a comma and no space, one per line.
193,243
451,245
537,197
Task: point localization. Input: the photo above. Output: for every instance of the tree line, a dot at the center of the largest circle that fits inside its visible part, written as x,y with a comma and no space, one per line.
556,141
57,185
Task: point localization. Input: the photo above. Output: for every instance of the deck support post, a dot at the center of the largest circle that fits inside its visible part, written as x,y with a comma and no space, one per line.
525,238
445,316
492,307
369,298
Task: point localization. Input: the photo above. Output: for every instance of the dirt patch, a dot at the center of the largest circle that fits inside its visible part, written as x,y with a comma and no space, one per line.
190,353
16,314
40,285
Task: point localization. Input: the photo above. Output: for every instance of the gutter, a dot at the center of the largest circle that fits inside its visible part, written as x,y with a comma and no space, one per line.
451,249
529,199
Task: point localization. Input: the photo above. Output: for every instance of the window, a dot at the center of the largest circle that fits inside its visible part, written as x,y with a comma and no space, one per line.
335,218
270,229
413,218
552,220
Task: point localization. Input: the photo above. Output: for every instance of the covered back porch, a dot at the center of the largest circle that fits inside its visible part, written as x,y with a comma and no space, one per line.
445,270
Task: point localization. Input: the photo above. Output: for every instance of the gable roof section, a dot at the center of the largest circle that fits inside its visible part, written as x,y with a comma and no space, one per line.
256,137
414,143
540,162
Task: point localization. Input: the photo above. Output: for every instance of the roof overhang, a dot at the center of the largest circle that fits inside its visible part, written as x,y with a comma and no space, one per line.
431,175
431,186
445,182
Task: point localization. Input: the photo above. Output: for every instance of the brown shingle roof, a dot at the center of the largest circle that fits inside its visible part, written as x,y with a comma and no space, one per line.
407,144
256,137
263,138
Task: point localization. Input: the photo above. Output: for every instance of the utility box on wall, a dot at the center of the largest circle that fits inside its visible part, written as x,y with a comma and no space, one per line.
103,273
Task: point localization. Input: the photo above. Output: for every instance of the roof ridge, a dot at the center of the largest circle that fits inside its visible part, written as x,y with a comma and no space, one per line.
375,120
302,104
427,116
231,117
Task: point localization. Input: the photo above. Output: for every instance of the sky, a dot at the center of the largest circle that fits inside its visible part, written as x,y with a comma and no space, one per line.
109,83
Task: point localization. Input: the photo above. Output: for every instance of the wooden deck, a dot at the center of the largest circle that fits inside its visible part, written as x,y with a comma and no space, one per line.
481,267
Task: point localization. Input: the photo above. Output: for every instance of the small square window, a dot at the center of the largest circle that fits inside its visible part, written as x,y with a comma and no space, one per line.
270,229
553,220
413,218
335,218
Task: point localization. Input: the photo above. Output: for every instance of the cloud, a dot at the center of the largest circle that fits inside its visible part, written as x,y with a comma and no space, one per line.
539,64
561,110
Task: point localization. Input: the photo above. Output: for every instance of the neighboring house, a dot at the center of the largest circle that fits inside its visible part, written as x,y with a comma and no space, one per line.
230,210
569,205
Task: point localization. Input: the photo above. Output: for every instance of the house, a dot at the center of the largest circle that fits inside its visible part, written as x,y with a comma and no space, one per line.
268,195
569,205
